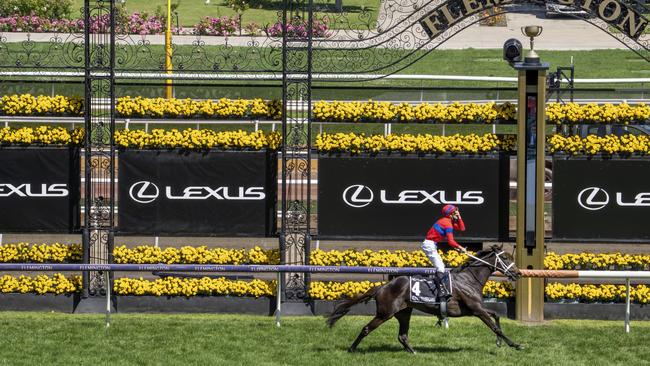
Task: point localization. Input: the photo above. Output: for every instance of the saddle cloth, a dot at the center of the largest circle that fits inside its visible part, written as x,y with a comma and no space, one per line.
423,289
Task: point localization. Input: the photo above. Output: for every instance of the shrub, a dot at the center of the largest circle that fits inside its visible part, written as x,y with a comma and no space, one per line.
59,9
211,26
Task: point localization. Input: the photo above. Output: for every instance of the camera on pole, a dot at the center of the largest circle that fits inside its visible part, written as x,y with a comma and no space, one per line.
512,50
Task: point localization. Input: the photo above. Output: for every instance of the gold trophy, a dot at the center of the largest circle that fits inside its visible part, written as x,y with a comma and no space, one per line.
532,31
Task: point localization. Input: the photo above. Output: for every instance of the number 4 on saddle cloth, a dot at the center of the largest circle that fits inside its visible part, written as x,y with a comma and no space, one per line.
423,289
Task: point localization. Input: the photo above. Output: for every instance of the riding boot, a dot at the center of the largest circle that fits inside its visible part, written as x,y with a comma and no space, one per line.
440,296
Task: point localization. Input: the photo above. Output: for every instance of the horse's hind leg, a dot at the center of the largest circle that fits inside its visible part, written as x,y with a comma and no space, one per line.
404,319
374,323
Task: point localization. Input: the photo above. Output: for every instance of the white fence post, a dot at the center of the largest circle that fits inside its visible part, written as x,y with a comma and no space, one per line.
627,305
108,298
278,300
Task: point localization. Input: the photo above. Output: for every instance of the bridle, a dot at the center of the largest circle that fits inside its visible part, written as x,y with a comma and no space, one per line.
498,261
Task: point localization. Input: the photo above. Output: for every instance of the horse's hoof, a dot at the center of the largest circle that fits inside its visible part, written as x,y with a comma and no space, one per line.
351,350
518,347
498,342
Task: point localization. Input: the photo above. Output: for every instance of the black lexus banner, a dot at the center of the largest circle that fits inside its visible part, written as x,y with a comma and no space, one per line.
39,189
401,196
216,193
596,199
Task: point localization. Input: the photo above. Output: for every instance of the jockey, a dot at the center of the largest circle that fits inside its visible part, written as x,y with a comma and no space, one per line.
442,230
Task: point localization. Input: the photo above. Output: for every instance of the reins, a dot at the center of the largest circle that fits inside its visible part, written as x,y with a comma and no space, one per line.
497,259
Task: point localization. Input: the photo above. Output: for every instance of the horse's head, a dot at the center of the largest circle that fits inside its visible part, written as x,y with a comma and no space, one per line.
500,261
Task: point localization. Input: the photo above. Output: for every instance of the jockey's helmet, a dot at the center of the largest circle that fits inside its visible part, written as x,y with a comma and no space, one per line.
447,210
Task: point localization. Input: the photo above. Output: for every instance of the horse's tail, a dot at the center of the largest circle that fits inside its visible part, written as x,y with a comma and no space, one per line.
343,307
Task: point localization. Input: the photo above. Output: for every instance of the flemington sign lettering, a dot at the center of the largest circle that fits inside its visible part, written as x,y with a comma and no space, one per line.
614,12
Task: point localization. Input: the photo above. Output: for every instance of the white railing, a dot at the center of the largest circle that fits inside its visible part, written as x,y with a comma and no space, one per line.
316,76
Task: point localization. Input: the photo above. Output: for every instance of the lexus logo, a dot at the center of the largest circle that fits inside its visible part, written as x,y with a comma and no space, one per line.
593,198
144,192
358,196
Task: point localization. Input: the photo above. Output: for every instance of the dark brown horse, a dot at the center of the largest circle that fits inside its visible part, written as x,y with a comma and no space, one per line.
467,298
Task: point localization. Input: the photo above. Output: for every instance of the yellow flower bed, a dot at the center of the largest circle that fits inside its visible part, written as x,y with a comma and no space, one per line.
407,143
40,253
145,254
41,105
592,144
175,286
197,139
42,284
370,111
499,290
596,293
594,113
600,261
431,113
42,135
382,258
188,108
338,290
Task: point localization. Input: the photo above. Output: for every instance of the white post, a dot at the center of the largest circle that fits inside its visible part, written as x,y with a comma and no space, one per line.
108,299
278,300
257,125
155,241
627,305
0,238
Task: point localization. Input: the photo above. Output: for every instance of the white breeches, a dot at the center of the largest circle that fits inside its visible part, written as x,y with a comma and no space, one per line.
431,250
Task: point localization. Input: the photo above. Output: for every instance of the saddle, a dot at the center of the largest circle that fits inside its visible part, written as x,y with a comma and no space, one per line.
423,289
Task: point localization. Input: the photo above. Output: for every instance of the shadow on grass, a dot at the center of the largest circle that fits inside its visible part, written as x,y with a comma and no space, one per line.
426,349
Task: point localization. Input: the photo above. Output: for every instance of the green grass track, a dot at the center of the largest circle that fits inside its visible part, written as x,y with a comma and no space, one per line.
64,339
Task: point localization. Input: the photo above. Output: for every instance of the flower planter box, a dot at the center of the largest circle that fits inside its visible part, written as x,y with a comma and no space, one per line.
595,311
39,189
33,302
601,198
195,304
398,196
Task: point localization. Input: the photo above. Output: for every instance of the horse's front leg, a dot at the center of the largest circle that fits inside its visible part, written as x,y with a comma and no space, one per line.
483,314
496,318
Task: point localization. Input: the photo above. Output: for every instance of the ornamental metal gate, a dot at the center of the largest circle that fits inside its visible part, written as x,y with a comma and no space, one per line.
99,157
